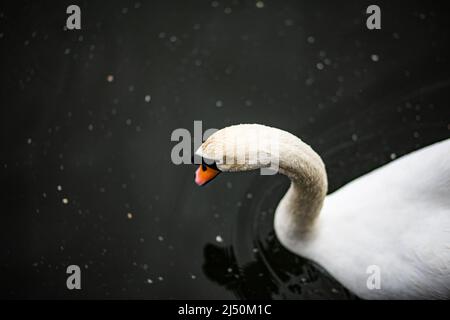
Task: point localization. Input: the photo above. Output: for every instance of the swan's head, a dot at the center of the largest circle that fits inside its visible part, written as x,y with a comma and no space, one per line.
238,148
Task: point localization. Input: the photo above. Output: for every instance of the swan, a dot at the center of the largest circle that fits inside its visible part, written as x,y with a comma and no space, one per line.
394,220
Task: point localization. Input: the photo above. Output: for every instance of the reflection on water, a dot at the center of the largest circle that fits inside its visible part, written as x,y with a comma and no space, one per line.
256,265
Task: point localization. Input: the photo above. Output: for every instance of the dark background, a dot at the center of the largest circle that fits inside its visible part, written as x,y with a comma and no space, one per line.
361,98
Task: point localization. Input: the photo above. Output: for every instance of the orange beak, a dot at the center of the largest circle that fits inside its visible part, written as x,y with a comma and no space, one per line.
204,174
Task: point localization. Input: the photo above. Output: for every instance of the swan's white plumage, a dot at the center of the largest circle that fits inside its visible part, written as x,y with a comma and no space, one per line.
396,217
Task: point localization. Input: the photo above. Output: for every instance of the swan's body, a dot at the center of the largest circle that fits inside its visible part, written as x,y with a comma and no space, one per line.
396,218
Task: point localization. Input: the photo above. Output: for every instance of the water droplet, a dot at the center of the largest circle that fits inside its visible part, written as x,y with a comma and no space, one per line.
309,81
288,22
260,4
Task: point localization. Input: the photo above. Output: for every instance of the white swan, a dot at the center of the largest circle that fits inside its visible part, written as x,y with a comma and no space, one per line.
393,222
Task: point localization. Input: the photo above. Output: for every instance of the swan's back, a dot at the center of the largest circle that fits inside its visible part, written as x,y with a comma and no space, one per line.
397,218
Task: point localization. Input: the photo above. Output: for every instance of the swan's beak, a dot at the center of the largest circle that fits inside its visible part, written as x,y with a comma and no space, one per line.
204,174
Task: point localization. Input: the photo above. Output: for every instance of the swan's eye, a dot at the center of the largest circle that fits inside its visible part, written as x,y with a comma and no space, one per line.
205,173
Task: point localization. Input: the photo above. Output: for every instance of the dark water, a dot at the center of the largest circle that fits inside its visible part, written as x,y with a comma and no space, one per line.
255,265
87,116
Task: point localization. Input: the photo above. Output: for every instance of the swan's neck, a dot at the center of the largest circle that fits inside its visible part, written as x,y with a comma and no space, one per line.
301,205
